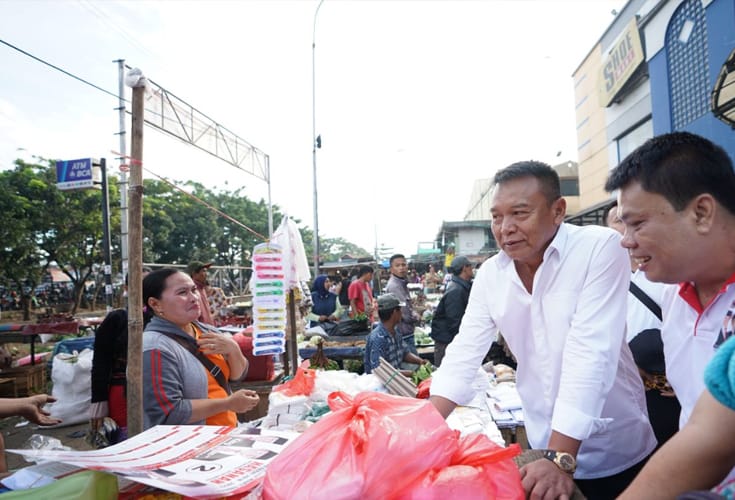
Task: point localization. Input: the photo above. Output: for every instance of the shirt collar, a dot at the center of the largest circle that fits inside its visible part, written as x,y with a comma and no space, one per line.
688,292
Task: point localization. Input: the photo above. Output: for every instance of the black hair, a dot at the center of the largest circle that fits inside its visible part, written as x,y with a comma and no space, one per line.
364,270
154,285
613,204
396,256
385,314
679,166
546,176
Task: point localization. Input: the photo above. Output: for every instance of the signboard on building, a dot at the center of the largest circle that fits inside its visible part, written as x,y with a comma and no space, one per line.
624,57
77,174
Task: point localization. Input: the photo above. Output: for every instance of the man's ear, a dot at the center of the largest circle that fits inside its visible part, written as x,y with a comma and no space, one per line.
703,208
559,209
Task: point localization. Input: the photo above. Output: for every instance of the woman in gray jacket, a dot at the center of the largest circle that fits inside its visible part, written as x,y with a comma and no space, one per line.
187,365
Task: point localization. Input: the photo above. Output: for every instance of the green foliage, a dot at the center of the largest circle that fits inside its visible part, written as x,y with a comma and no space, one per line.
43,224
332,249
423,372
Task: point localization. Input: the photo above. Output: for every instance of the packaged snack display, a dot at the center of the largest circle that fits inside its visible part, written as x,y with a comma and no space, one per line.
269,300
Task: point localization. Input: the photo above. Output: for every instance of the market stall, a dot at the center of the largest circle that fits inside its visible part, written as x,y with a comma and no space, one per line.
314,409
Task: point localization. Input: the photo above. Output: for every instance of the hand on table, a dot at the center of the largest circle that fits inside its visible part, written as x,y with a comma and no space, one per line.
542,479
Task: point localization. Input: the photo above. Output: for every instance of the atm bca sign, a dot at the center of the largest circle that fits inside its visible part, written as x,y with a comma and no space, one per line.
77,174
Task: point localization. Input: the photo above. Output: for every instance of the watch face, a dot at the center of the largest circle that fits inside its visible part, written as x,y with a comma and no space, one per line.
566,462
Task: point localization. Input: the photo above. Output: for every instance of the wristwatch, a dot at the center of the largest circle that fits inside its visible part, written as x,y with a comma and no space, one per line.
565,461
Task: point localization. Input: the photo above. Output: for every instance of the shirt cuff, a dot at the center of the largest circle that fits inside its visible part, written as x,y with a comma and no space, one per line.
99,410
573,423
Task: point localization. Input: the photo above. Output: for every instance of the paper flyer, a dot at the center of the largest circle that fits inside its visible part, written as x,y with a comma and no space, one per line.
193,460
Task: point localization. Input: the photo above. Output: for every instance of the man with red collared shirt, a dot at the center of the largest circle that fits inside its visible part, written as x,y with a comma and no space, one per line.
198,272
677,201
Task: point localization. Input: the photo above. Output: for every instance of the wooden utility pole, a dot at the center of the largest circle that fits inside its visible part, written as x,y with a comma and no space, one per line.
135,266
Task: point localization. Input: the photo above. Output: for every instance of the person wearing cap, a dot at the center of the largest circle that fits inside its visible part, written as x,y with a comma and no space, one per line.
384,341
449,312
558,293
398,286
198,272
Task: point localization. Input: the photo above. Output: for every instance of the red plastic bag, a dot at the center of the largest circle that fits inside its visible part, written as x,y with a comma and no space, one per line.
480,469
424,389
300,385
367,448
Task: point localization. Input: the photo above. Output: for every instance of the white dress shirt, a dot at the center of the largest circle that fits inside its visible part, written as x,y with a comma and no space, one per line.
576,374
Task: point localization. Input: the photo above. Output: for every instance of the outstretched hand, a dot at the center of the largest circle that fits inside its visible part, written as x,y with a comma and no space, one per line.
31,408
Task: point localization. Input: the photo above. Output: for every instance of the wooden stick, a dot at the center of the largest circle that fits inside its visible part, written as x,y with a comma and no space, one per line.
394,380
135,270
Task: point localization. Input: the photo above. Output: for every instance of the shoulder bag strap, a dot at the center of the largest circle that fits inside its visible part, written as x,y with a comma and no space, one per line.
204,360
647,301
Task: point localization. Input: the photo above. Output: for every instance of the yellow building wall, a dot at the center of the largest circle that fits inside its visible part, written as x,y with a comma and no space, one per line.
591,132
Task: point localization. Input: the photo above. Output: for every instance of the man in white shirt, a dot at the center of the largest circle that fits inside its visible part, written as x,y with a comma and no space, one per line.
558,294
677,201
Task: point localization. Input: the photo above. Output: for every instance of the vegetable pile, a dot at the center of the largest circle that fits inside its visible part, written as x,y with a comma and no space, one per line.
423,372
320,362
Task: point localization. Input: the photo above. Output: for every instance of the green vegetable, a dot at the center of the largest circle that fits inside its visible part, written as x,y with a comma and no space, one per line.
423,372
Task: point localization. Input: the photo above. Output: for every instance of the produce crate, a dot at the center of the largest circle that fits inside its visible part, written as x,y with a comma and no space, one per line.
27,380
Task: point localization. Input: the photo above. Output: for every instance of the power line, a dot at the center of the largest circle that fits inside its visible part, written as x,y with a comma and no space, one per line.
61,70
105,19
219,212
210,207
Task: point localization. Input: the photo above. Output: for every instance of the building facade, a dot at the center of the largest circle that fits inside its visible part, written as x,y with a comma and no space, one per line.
653,71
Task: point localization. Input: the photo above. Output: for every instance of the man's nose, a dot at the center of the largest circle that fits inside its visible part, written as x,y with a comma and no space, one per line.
627,241
508,225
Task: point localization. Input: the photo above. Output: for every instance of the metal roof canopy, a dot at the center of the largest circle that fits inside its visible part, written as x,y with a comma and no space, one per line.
723,93
594,215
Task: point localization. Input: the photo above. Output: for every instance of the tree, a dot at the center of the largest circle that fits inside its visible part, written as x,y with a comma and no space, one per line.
332,249
61,226
176,228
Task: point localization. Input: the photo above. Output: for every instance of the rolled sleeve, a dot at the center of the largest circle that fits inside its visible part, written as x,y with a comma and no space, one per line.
571,422
453,380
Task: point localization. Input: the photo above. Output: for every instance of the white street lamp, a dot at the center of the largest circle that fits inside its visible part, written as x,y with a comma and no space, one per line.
316,141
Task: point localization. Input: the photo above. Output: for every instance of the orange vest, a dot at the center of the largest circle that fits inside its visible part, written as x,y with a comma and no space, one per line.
216,391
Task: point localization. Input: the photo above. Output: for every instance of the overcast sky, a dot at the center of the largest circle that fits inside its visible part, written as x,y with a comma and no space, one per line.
414,99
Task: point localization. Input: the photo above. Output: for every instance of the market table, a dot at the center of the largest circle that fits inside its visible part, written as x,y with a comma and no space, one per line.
337,352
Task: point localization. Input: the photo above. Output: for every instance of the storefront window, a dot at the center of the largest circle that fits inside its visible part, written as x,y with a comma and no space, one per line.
688,61
634,138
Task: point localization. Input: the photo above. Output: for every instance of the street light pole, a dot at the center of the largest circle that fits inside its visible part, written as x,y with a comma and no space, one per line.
314,144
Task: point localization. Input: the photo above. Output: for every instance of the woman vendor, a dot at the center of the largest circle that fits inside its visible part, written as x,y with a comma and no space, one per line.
187,364
326,308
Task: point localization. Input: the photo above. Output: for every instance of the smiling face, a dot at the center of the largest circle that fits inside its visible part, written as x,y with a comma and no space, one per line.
523,220
179,302
660,239
399,267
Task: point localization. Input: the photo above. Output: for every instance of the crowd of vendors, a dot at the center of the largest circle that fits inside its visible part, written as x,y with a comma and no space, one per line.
619,336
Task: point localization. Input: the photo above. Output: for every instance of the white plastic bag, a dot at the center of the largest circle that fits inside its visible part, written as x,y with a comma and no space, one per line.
71,375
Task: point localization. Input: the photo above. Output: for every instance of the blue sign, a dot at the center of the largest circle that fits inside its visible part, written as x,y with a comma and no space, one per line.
75,174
